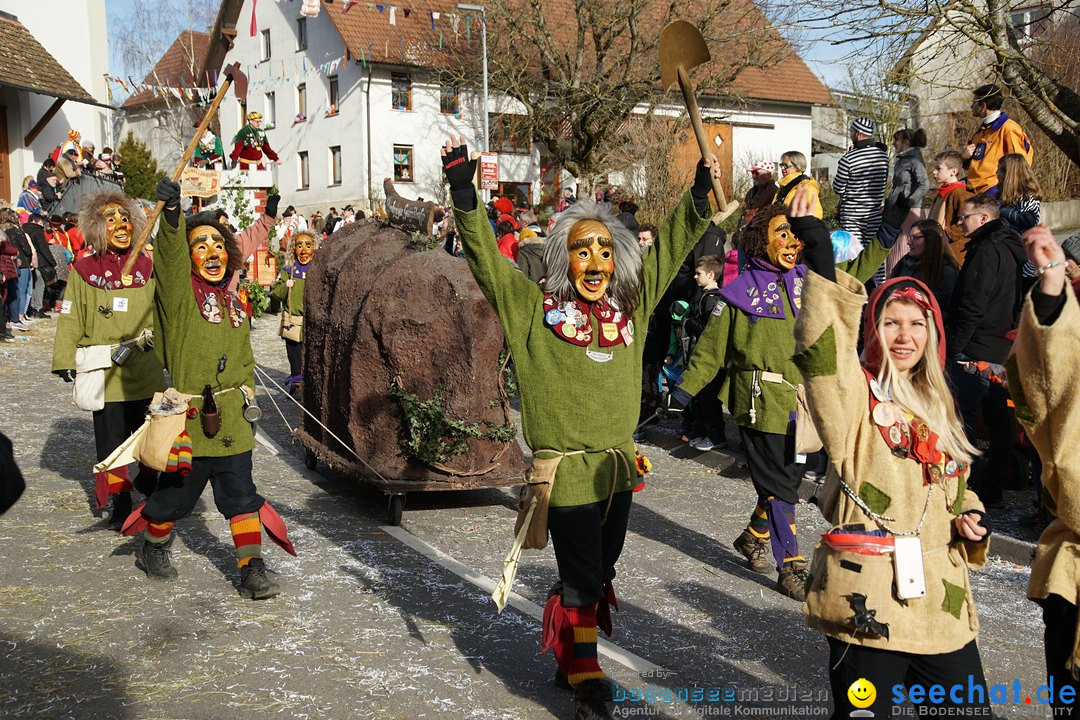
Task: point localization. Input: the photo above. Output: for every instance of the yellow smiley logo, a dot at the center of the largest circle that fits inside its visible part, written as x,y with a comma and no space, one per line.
862,693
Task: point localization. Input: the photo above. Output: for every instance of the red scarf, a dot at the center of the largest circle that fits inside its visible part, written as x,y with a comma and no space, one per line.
570,321
949,187
104,271
212,298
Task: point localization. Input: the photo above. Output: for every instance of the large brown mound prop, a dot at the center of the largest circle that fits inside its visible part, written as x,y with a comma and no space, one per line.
375,309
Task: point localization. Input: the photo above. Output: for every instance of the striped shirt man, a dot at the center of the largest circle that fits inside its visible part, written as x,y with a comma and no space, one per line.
860,181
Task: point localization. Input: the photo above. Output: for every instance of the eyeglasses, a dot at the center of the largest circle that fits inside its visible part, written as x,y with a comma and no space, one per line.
918,237
785,166
965,216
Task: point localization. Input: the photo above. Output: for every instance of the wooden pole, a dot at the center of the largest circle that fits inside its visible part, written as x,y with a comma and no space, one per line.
140,242
699,133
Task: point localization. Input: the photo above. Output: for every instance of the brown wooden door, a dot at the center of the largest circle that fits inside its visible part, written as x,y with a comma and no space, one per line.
5,162
687,153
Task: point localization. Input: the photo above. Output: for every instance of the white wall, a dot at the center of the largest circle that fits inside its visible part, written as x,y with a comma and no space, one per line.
74,33
423,127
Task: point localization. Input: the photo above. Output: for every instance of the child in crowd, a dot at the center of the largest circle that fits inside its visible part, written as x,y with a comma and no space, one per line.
951,194
706,414
1021,199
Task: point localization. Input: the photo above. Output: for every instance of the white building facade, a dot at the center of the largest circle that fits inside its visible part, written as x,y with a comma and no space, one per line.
75,34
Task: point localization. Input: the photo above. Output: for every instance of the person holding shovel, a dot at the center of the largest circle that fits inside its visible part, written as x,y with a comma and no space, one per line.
103,338
578,363
288,289
205,329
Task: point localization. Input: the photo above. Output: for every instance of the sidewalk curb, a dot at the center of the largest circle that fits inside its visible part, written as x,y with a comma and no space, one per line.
731,464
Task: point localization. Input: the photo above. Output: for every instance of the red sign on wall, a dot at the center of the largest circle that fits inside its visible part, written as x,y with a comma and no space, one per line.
489,171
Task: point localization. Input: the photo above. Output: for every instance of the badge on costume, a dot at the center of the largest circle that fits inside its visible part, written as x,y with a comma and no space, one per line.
718,308
65,307
610,331
599,356
120,304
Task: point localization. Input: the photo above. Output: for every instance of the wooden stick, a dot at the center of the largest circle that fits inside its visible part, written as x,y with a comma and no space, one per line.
140,242
699,132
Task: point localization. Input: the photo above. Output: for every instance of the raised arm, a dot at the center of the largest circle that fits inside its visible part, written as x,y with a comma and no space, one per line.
502,284
1044,374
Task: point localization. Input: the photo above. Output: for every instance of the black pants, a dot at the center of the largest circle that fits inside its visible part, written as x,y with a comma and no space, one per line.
115,422
886,668
230,476
1059,615
585,550
771,459
295,351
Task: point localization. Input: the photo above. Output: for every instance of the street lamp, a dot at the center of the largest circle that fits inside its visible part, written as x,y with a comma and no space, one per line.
483,41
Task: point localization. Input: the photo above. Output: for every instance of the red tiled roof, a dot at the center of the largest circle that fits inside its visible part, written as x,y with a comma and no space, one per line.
29,66
413,42
180,66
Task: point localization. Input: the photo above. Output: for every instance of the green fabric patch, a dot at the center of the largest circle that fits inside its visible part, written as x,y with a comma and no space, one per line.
819,360
961,488
1016,392
875,498
954,599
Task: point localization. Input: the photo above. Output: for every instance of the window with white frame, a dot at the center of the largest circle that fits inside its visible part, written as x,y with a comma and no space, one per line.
303,171
265,44
335,165
332,98
269,111
1030,22
301,102
301,33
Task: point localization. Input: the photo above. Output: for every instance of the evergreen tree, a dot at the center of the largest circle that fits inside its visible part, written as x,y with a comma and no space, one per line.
140,168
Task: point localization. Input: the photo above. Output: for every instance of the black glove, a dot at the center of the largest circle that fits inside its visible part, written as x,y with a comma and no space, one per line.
701,188
817,245
168,192
984,522
677,400
459,171
65,375
271,205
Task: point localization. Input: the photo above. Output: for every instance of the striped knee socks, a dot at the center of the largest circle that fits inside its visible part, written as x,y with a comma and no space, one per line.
158,532
584,664
247,536
759,521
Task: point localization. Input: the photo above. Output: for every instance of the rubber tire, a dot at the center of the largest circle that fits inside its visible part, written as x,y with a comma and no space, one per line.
394,509
310,460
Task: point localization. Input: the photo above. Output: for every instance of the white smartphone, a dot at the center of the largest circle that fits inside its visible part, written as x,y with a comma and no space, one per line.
907,559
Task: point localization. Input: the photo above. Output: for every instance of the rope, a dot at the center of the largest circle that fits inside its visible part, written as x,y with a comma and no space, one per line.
329,432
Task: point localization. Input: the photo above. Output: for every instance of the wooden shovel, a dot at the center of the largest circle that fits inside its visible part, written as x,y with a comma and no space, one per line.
681,49
233,77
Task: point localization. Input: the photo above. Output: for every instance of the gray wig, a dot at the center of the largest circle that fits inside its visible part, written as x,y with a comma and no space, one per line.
627,279
92,223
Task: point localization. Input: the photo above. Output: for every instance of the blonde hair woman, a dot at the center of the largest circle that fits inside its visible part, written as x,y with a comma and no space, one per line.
889,582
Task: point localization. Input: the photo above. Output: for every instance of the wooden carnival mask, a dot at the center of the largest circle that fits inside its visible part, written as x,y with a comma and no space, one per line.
118,227
304,248
784,247
209,254
592,258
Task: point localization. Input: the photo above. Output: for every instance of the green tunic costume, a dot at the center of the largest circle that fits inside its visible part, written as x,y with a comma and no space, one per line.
98,316
193,347
750,347
292,302
568,400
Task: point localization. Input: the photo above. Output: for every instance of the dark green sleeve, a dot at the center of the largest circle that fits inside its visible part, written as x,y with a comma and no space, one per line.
508,290
711,352
70,327
278,290
863,267
172,264
677,236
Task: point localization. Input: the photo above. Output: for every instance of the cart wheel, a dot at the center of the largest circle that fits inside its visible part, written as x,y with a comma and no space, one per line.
310,461
395,508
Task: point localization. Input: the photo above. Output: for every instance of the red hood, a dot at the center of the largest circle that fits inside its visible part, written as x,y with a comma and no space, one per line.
872,353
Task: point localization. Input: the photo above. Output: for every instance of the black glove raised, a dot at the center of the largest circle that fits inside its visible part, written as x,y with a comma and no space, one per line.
65,375
459,169
168,192
272,204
